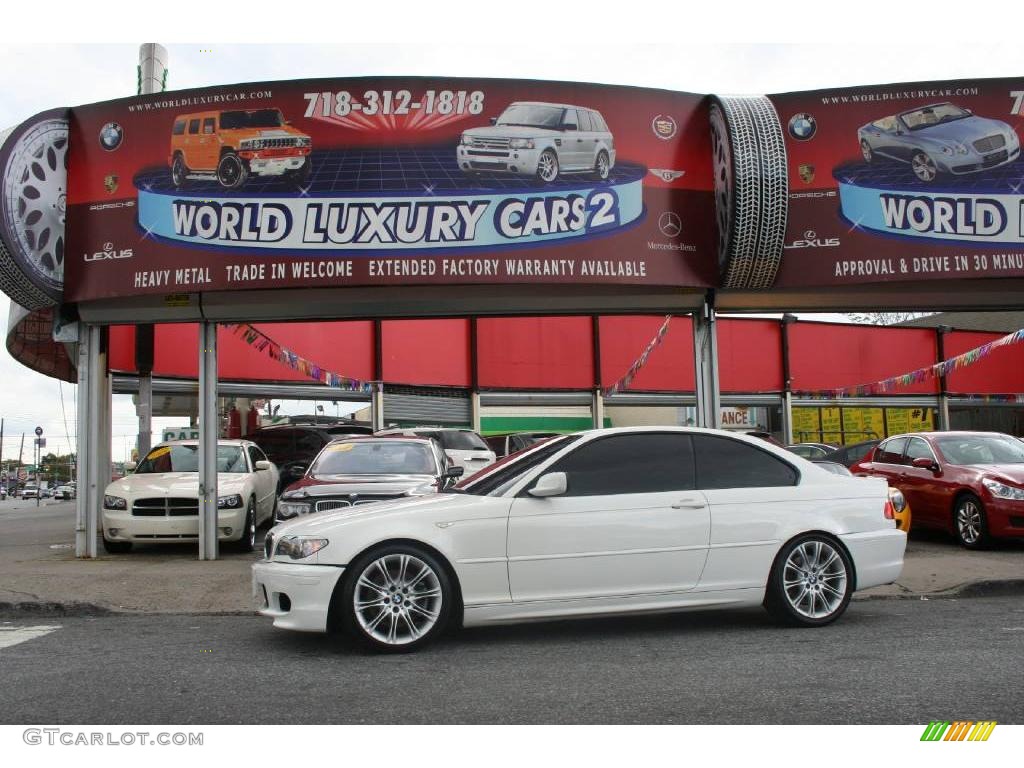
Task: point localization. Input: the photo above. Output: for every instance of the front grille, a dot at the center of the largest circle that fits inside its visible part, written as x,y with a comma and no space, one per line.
995,158
987,144
489,143
324,506
166,536
354,501
487,153
279,143
166,507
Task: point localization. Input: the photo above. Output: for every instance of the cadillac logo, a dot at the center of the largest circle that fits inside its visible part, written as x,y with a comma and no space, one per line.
110,183
664,126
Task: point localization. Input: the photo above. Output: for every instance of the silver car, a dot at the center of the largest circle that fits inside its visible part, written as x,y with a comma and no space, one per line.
534,138
940,138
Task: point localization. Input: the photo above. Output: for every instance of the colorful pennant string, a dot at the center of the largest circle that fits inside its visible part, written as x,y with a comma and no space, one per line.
641,361
263,343
946,367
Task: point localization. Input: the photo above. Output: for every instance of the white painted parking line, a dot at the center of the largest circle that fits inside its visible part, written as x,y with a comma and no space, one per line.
13,635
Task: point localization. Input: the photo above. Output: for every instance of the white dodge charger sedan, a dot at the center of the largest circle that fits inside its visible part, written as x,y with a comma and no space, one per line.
159,501
610,521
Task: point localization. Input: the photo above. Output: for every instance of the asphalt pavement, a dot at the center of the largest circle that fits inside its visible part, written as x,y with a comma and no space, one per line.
884,662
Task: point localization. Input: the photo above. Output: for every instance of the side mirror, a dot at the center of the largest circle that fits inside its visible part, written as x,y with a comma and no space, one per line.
925,463
494,121
297,470
453,473
263,465
551,484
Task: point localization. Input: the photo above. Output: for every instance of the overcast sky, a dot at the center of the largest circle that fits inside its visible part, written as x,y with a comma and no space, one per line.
663,56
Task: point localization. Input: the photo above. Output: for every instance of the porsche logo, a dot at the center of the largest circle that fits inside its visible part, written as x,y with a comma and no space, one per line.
806,171
110,183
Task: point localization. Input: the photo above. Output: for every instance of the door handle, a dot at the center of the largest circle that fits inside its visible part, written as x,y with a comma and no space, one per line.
689,504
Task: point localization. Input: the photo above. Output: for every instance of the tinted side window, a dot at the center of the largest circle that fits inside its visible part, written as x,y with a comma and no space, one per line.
179,127
585,124
599,124
641,463
726,463
308,444
918,449
891,451
571,117
208,127
193,126
278,444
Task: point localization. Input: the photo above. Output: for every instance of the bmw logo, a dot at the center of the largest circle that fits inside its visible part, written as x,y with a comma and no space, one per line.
802,126
111,136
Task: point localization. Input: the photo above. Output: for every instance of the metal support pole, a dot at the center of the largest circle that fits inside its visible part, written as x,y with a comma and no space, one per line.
940,353
91,478
787,379
377,406
705,365
597,409
474,405
208,428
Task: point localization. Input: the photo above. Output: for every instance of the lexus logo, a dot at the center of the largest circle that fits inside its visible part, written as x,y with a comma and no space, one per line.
109,253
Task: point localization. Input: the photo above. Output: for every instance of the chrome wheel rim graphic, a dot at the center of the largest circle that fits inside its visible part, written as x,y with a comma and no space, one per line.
865,150
34,199
547,167
814,579
229,171
397,599
924,167
602,166
968,522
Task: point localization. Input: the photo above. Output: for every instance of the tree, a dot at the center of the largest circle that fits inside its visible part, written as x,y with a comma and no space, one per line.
886,318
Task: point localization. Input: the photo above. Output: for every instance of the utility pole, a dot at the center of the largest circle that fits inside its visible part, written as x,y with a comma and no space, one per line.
21,451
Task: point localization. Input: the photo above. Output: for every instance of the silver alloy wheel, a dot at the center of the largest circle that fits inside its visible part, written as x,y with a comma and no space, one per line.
968,522
865,150
547,166
814,579
924,167
397,599
250,526
602,166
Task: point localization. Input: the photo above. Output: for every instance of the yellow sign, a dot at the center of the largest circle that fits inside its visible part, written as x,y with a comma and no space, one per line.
805,425
341,447
831,425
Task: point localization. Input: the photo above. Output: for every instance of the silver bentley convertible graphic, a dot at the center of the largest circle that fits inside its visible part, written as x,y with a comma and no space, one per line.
940,138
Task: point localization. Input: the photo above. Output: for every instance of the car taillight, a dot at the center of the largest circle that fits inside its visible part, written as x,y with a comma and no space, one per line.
889,511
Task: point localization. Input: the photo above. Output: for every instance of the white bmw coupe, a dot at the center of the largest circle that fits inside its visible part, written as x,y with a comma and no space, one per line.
159,501
610,521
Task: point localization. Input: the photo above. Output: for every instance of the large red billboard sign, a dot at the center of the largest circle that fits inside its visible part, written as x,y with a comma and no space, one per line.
907,182
388,181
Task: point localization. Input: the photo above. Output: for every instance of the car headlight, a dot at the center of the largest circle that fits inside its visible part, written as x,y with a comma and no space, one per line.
1001,491
286,509
252,144
304,141
229,502
299,547
899,501
955,148
521,144
114,502
467,140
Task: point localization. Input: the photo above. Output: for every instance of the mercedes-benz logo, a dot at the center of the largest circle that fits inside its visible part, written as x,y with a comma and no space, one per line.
670,224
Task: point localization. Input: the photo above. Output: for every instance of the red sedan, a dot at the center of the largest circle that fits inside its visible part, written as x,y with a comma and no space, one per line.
968,483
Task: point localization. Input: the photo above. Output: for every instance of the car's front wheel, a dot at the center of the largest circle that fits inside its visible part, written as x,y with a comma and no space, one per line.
923,166
396,598
179,172
969,523
602,166
811,582
232,171
547,166
247,541
866,151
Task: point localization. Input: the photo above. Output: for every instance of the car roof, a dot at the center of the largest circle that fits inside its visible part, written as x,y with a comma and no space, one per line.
551,104
220,441
391,437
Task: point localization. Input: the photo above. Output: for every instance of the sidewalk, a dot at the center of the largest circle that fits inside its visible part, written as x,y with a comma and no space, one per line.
40,575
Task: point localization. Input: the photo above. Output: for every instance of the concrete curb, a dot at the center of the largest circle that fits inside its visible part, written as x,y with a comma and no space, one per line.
987,588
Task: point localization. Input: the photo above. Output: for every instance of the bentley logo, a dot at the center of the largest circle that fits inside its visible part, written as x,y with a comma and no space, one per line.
806,171
110,183
666,175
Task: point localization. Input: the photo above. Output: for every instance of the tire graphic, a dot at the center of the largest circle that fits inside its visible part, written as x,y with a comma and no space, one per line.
751,189
33,170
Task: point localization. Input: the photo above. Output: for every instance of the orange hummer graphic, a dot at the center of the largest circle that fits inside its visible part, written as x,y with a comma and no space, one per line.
229,145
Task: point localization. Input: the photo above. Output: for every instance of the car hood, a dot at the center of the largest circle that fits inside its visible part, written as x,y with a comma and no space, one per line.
284,132
511,132
1012,472
343,485
967,129
172,484
449,505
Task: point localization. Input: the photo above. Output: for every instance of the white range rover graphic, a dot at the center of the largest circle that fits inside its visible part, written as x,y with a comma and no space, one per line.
539,139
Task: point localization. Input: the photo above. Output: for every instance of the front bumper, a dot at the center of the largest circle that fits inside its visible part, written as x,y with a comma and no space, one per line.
877,555
974,161
275,166
119,525
294,595
1004,517
522,161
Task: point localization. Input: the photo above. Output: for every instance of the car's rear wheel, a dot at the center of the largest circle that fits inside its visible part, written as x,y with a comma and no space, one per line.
923,166
602,167
970,525
865,150
116,547
811,582
396,598
179,171
232,171
547,166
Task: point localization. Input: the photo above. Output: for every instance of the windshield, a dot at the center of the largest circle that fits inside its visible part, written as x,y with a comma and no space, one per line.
970,449
494,479
376,457
940,113
260,118
185,458
532,115
456,439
